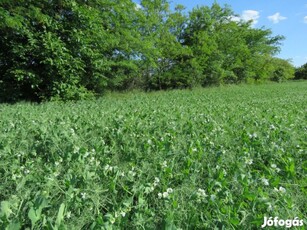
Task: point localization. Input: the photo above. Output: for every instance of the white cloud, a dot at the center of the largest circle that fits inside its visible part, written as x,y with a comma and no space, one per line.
234,18
248,15
305,19
276,18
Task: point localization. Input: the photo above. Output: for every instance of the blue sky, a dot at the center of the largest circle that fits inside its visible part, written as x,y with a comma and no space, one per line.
283,17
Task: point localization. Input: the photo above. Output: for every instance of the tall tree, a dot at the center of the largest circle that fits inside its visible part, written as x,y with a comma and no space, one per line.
227,50
66,49
162,48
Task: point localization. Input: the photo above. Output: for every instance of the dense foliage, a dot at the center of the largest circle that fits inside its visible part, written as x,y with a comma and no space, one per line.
78,49
216,158
301,72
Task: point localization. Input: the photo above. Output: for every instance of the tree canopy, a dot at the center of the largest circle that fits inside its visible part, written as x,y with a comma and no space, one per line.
73,49
301,72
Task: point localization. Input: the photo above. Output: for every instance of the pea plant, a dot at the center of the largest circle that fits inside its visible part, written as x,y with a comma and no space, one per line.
217,158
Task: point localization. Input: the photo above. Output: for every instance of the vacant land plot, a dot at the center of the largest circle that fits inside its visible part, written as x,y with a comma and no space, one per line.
199,159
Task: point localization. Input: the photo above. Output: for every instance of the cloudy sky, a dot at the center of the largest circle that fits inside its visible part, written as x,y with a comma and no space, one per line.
283,17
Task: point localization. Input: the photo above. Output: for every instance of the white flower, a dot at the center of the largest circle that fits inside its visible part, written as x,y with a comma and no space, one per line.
123,213
27,171
248,161
164,164
272,127
254,135
108,168
265,181
194,149
68,215
282,189
165,194
83,195
213,197
76,149
131,173
157,181
273,166
202,193
86,154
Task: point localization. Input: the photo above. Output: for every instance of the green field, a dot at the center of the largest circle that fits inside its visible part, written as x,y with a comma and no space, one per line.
186,159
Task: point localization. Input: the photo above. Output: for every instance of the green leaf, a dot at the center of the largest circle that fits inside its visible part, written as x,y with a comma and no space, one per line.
234,221
60,216
5,209
35,212
14,226
34,216
291,168
250,196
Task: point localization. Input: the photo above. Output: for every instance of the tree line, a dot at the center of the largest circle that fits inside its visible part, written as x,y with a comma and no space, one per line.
301,72
75,49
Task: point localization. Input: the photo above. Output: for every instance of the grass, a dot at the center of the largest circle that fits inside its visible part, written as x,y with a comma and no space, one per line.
189,159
